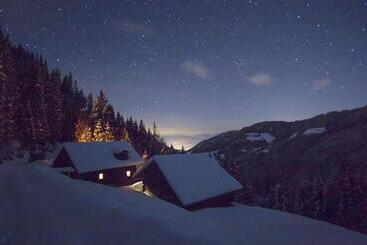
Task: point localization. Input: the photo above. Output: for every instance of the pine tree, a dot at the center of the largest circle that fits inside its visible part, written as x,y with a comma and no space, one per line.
155,130
83,133
317,198
67,108
89,107
108,134
119,126
98,134
278,198
109,114
100,107
126,136
54,105
8,91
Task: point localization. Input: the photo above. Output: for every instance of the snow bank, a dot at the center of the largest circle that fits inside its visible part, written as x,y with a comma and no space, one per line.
312,131
40,206
260,137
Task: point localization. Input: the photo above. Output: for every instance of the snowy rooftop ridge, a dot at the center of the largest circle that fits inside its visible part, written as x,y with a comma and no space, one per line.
195,177
260,137
95,156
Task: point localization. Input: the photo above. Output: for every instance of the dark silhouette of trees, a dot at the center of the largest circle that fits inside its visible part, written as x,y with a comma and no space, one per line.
39,106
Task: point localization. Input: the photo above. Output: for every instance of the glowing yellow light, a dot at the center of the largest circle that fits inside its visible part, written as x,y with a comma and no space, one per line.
100,176
128,173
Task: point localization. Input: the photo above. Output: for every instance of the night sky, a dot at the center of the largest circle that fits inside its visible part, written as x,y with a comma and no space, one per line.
198,68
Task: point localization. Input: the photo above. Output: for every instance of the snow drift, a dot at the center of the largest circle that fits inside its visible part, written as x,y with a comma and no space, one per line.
40,206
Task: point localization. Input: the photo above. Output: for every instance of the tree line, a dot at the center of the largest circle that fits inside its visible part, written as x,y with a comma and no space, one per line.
339,199
40,106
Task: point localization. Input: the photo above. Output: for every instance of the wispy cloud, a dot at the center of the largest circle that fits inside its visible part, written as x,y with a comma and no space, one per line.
261,79
321,84
129,26
197,69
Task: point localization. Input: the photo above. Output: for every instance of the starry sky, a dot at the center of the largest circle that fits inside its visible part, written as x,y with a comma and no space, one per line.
199,67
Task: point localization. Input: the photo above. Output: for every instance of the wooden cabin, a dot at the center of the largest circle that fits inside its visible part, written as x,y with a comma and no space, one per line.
110,163
192,181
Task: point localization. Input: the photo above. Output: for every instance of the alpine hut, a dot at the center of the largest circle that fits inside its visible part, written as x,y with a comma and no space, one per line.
192,181
110,163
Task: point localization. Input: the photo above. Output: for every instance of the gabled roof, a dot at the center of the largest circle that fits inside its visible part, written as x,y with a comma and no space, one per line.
194,177
96,156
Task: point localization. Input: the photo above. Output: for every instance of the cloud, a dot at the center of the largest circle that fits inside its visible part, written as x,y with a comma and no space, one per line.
197,69
129,26
261,79
321,84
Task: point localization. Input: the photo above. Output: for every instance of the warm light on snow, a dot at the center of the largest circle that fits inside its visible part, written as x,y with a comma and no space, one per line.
100,176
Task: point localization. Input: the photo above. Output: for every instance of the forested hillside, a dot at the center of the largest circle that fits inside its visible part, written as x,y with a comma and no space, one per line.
40,106
315,167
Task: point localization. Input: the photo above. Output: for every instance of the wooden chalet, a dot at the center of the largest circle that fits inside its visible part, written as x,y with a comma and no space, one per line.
192,181
110,163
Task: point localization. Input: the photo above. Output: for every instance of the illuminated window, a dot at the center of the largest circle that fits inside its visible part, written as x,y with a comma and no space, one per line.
128,173
100,176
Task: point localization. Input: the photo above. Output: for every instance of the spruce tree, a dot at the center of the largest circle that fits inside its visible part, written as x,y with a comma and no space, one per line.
54,105
8,91
100,107
99,132
126,136
83,133
108,134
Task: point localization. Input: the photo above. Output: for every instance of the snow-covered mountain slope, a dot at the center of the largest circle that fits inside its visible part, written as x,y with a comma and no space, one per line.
40,206
315,167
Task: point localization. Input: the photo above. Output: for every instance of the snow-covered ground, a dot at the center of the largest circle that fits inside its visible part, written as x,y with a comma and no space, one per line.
312,131
40,206
260,137
294,135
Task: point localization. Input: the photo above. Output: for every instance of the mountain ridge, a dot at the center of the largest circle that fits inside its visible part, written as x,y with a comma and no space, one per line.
315,167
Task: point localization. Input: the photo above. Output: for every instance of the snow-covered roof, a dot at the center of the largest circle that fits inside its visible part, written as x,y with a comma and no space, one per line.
95,156
195,177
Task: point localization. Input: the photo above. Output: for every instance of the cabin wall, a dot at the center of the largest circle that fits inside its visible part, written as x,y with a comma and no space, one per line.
155,181
112,177
63,160
219,201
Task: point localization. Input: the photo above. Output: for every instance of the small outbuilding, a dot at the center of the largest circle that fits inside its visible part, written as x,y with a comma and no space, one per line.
192,181
111,163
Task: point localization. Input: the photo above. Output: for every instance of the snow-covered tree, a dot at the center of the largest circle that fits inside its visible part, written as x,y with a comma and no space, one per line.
99,132
108,134
83,133
126,136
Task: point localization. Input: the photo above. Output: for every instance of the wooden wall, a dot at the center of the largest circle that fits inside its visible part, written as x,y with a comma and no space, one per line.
155,181
112,177
224,200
